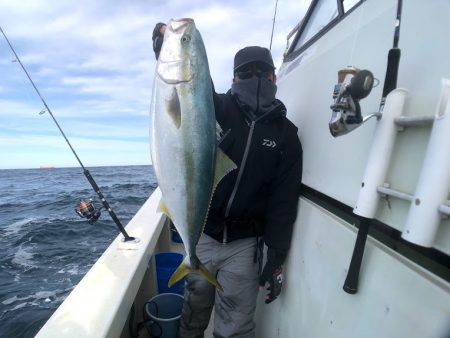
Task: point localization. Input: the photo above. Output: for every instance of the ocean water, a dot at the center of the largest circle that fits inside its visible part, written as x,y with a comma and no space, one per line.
45,247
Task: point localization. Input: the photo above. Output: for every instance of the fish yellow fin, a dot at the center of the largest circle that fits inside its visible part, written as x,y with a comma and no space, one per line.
183,270
202,270
179,273
223,166
162,207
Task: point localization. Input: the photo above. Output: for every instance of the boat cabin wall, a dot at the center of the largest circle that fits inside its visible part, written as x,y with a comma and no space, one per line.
396,297
363,38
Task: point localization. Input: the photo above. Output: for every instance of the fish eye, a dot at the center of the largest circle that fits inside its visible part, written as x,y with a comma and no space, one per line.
185,38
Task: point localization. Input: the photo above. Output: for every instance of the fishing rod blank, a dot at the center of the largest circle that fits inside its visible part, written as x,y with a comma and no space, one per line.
273,24
390,83
85,171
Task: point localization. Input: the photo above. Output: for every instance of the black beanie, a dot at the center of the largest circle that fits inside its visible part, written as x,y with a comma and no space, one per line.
253,54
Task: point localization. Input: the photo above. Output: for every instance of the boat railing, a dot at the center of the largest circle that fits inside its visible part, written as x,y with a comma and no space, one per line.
99,306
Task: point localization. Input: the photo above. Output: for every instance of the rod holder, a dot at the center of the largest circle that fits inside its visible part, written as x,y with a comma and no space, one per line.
433,186
380,154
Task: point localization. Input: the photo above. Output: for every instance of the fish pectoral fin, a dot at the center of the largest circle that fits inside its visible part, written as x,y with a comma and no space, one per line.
223,166
173,108
162,207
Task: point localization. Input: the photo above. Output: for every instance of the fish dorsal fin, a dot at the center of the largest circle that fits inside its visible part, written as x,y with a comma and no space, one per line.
223,166
162,207
173,108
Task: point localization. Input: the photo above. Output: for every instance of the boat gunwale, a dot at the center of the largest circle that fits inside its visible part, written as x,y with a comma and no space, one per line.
100,304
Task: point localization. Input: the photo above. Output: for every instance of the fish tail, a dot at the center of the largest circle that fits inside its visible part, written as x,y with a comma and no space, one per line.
184,269
202,270
179,273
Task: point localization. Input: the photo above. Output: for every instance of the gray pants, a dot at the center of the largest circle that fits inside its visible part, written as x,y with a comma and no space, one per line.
236,271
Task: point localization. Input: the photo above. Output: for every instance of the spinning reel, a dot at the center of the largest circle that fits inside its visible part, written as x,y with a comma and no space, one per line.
353,85
87,209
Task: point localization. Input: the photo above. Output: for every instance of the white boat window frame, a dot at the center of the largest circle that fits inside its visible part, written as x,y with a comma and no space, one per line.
349,4
318,20
323,13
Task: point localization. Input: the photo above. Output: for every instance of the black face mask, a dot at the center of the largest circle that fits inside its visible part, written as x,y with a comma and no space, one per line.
256,95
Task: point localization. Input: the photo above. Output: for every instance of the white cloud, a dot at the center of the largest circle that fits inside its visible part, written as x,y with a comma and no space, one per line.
10,109
93,61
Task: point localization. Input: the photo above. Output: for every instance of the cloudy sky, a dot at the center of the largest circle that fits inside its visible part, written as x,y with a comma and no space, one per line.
93,63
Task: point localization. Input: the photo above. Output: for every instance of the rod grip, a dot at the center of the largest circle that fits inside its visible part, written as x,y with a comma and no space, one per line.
351,282
390,82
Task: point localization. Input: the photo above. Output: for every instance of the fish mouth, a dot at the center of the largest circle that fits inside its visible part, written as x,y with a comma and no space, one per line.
171,79
177,25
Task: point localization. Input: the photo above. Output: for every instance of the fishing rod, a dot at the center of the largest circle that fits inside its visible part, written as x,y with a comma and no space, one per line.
86,208
390,83
273,24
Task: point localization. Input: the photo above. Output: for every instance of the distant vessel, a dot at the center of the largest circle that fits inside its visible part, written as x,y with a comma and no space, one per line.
47,166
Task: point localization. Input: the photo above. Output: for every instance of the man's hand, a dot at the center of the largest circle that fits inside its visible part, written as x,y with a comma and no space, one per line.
272,275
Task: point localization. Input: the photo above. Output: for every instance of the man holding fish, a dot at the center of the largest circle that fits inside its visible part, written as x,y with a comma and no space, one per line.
228,187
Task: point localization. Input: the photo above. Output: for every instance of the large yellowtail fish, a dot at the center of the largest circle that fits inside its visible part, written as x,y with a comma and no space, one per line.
187,163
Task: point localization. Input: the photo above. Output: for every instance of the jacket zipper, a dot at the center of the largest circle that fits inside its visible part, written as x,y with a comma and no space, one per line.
238,180
244,161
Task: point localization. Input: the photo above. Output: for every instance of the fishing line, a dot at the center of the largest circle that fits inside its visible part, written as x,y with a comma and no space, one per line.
87,209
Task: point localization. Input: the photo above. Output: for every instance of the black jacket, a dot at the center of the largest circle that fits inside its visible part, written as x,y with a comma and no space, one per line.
260,197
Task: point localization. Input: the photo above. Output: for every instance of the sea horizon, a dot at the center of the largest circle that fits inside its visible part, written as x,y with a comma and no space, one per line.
74,167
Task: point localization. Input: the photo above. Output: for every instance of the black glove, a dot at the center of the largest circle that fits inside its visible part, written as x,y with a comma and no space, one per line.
157,39
273,274
275,280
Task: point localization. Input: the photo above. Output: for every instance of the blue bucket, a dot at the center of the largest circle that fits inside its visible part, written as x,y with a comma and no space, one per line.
164,311
166,264
175,235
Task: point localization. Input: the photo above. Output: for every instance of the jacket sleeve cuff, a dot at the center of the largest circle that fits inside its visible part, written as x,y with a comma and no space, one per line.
276,257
